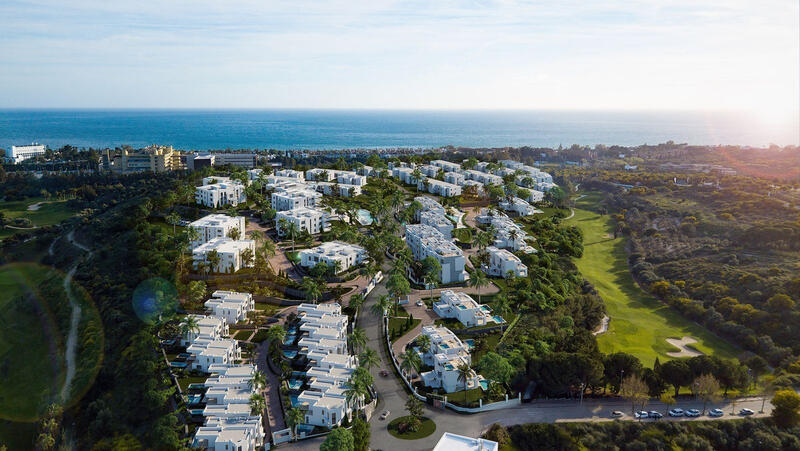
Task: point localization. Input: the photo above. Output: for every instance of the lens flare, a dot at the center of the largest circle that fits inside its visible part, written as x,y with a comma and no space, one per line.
154,299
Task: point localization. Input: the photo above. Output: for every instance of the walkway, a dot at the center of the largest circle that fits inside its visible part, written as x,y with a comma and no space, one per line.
74,322
272,391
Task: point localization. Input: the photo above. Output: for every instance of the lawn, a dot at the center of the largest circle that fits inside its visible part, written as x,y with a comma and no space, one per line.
31,363
49,213
243,334
639,323
185,381
397,325
473,395
427,428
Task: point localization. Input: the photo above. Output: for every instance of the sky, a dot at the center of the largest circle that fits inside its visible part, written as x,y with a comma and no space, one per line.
739,55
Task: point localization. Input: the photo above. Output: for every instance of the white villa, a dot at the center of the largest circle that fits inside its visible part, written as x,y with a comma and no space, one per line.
222,351
312,220
347,255
447,166
230,434
342,177
502,261
519,206
229,251
291,173
330,189
208,328
429,170
405,175
483,177
429,204
462,307
438,221
439,187
508,234
456,178
231,306
294,196
216,226
218,192
426,241
446,354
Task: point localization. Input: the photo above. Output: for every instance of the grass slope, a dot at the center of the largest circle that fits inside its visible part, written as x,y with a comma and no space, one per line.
49,213
639,323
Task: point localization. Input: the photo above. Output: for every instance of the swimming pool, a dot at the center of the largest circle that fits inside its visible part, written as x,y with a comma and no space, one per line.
178,364
295,384
305,428
289,353
289,339
485,384
499,319
470,343
364,217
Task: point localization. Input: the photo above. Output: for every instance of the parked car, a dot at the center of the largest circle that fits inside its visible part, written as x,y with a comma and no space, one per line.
692,413
420,303
617,414
676,412
656,415
641,414
746,412
385,415
716,413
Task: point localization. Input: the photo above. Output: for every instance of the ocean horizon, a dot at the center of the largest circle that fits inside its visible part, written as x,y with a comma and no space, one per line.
301,129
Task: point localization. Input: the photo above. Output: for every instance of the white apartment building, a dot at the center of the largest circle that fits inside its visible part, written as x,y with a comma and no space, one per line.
429,170
294,196
455,178
536,196
291,173
208,328
229,251
342,177
222,351
254,174
502,261
462,307
311,220
216,226
446,354
18,154
326,409
507,233
405,175
347,255
439,187
231,306
424,241
438,221
429,204
220,194
330,189
230,434
447,166
519,207
483,177
367,171
244,160
319,310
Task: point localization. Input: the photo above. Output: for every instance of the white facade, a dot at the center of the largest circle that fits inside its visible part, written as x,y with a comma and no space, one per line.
502,261
222,351
208,328
229,251
447,166
405,175
519,206
424,241
216,226
455,178
536,196
347,255
330,189
462,307
429,170
231,306
291,173
293,197
446,354
311,220
429,204
18,154
438,221
230,434
439,187
483,177
507,233
223,193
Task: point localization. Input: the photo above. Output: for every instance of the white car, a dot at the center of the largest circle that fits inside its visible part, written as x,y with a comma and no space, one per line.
385,415
746,412
641,414
617,414
692,413
716,413
676,412
420,303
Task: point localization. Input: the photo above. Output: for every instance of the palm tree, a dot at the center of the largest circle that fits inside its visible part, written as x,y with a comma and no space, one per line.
478,280
356,301
501,305
482,239
369,358
292,231
294,417
189,325
380,307
357,338
464,375
213,259
174,219
247,257
257,403
276,334
411,361
191,234
234,233
258,381
311,288
424,343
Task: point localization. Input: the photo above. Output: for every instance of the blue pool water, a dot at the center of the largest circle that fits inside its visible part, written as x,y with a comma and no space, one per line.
293,399
289,353
295,384
499,319
470,343
305,428
178,364
364,217
291,331
485,384
289,339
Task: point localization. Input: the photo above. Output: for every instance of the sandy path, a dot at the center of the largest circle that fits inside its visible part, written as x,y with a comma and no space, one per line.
681,344
75,319
603,326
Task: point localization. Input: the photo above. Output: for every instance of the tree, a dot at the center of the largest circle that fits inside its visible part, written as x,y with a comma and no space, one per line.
234,233
496,368
478,280
410,362
188,326
464,375
369,358
380,307
340,439
785,411
311,288
213,259
398,286
294,417
247,257
259,381
706,387
361,435
432,272
424,343
357,338
275,334
415,408
676,373
501,305
196,290
634,390
356,301
616,366
173,219
257,403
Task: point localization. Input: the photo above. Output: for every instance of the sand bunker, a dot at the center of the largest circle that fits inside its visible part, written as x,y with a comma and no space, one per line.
603,326
681,344
36,206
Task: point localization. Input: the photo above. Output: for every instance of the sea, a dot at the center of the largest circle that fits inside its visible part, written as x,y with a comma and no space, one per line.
380,129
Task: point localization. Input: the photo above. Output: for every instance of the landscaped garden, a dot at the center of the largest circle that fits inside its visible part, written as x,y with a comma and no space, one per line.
399,428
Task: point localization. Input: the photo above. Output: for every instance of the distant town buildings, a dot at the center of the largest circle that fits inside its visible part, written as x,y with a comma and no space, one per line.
149,159
18,154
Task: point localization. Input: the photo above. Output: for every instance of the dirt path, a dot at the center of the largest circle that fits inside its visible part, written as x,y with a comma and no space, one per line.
75,319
